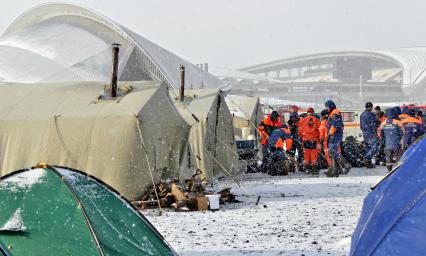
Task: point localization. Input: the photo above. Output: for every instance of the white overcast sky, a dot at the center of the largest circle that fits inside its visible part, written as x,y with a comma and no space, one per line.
240,33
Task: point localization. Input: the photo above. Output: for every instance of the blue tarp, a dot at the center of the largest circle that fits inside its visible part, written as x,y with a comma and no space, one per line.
393,218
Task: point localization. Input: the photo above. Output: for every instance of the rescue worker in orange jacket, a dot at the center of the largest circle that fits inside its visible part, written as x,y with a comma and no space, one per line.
391,132
310,139
413,129
266,127
335,128
277,140
323,136
293,125
381,148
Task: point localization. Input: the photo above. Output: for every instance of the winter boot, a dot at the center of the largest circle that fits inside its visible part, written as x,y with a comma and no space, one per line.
301,167
329,172
337,168
332,169
307,168
389,166
315,170
347,167
368,164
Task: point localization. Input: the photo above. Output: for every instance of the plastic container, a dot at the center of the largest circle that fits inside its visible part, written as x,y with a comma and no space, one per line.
213,201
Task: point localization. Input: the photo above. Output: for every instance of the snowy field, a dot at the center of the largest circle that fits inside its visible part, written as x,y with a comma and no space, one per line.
296,215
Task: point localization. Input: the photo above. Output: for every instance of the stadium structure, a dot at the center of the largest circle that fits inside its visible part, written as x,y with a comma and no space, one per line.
348,77
63,42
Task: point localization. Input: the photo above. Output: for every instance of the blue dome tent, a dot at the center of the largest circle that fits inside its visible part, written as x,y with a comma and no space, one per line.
393,218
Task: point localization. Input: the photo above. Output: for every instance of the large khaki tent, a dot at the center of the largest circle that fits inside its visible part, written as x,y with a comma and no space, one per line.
68,125
211,143
246,112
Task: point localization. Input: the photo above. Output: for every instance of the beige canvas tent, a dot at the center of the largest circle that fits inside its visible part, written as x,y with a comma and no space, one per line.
211,143
66,124
246,112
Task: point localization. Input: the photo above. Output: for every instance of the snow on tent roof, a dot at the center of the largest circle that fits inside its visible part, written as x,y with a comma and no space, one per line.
66,124
74,214
40,46
392,220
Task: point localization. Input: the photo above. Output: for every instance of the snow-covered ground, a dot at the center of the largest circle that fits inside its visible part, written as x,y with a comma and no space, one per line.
296,215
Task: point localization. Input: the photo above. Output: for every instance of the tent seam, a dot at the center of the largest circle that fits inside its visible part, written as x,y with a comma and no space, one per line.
83,210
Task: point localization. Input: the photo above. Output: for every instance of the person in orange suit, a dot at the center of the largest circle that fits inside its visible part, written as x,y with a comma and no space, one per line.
277,140
323,136
310,138
380,158
335,127
413,129
266,127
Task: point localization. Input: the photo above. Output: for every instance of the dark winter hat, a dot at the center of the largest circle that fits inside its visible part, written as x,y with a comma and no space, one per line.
368,105
274,114
330,104
377,108
405,110
324,112
294,114
397,110
310,110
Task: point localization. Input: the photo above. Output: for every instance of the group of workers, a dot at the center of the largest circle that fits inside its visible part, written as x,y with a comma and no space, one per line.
388,134
308,135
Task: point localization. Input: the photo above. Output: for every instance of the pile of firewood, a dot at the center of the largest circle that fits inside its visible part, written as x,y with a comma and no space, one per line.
189,197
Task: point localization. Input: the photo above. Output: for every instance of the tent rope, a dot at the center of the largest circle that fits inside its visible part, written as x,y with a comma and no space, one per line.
149,165
63,144
221,166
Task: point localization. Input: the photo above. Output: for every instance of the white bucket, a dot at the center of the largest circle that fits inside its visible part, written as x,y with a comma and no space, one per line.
213,201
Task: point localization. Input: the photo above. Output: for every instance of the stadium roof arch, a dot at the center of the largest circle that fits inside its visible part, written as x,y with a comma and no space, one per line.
63,42
411,61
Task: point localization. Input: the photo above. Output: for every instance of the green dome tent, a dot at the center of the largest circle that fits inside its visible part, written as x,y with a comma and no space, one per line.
58,211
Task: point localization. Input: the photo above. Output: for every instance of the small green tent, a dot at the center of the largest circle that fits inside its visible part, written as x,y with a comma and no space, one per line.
58,211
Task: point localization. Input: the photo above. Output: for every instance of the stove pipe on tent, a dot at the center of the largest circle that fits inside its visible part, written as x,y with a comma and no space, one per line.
113,86
182,83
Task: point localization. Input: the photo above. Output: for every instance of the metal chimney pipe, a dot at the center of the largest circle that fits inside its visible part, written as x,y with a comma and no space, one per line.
182,82
115,52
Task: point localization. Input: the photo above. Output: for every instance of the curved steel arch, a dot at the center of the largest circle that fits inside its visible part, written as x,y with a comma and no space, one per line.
150,54
411,60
